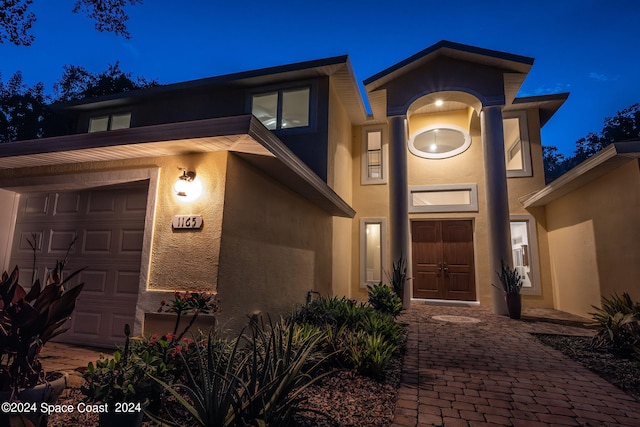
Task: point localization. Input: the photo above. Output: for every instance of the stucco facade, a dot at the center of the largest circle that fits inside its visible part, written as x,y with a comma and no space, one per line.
592,232
305,192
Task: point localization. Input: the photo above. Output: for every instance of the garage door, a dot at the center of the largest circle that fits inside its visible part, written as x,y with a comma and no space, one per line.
108,225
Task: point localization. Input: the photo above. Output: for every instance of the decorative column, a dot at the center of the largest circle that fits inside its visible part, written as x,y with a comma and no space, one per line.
497,199
398,196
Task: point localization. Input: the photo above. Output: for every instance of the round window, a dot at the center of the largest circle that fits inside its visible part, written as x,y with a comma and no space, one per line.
439,142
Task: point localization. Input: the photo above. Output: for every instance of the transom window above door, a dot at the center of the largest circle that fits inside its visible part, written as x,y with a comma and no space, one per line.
439,142
282,109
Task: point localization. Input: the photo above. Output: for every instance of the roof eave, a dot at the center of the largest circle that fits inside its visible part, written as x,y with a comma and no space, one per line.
508,61
606,160
240,134
298,70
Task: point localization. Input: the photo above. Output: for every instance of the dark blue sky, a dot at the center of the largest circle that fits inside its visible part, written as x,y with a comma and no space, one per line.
587,47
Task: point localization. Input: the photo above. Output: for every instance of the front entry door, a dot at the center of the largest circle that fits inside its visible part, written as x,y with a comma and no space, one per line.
442,253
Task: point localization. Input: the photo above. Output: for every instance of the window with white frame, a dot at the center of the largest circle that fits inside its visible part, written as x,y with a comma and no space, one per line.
373,233
373,157
444,198
282,109
110,122
524,250
516,144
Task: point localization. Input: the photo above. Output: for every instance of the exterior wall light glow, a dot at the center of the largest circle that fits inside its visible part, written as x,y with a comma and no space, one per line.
188,187
439,102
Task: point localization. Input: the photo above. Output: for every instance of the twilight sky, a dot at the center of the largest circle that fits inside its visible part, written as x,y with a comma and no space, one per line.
587,47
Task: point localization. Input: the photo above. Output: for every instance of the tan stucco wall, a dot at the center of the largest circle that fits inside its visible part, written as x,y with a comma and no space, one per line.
276,246
369,201
521,186
188,260
171,260
339,177
593,240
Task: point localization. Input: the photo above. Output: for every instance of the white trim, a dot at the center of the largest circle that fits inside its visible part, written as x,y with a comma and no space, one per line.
471,207
427,155
363,245
525,148
532,235
384,152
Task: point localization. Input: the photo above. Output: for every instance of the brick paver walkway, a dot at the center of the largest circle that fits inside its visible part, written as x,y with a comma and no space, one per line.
494,373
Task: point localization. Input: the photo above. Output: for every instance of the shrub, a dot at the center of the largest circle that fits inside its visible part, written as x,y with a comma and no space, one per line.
253,380
384,299
370,353
618,323
355,335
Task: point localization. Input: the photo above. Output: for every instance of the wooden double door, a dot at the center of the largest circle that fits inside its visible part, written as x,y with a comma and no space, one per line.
442,254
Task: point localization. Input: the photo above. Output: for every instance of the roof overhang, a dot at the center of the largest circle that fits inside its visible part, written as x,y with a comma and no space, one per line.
610,158
244,135
337,68
547,105
515,67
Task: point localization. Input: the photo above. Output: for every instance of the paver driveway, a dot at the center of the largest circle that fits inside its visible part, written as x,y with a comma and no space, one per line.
494,373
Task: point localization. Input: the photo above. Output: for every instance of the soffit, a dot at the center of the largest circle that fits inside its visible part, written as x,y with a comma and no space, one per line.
610,158
547,105
344,82
240,134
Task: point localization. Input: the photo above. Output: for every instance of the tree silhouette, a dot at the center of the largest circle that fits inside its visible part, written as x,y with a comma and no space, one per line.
624,126
26,113
16,20
78,83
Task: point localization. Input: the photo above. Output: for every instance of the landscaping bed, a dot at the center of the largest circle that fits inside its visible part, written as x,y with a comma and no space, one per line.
353,349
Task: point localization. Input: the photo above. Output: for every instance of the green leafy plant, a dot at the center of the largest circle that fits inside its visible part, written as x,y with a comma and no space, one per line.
127,376
398,276
123,378
255,379
618,323
370,353
28,320
384,299
510,279
343,320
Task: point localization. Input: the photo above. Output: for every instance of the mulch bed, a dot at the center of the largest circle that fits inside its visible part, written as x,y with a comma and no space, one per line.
344,398
621,370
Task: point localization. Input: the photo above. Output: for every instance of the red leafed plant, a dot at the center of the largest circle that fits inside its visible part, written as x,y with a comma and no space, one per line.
28,320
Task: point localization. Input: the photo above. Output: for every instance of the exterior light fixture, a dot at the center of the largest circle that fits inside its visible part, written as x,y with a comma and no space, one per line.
439,102
187,187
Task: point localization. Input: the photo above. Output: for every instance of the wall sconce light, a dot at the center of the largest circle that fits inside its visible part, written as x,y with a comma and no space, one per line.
187,187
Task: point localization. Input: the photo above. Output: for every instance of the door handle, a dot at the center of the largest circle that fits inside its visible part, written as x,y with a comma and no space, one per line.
446,268
439,267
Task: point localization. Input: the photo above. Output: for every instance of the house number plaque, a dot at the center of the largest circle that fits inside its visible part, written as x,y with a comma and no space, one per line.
187,221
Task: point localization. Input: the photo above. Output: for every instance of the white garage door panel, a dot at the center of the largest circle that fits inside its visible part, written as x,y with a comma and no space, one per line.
108,225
